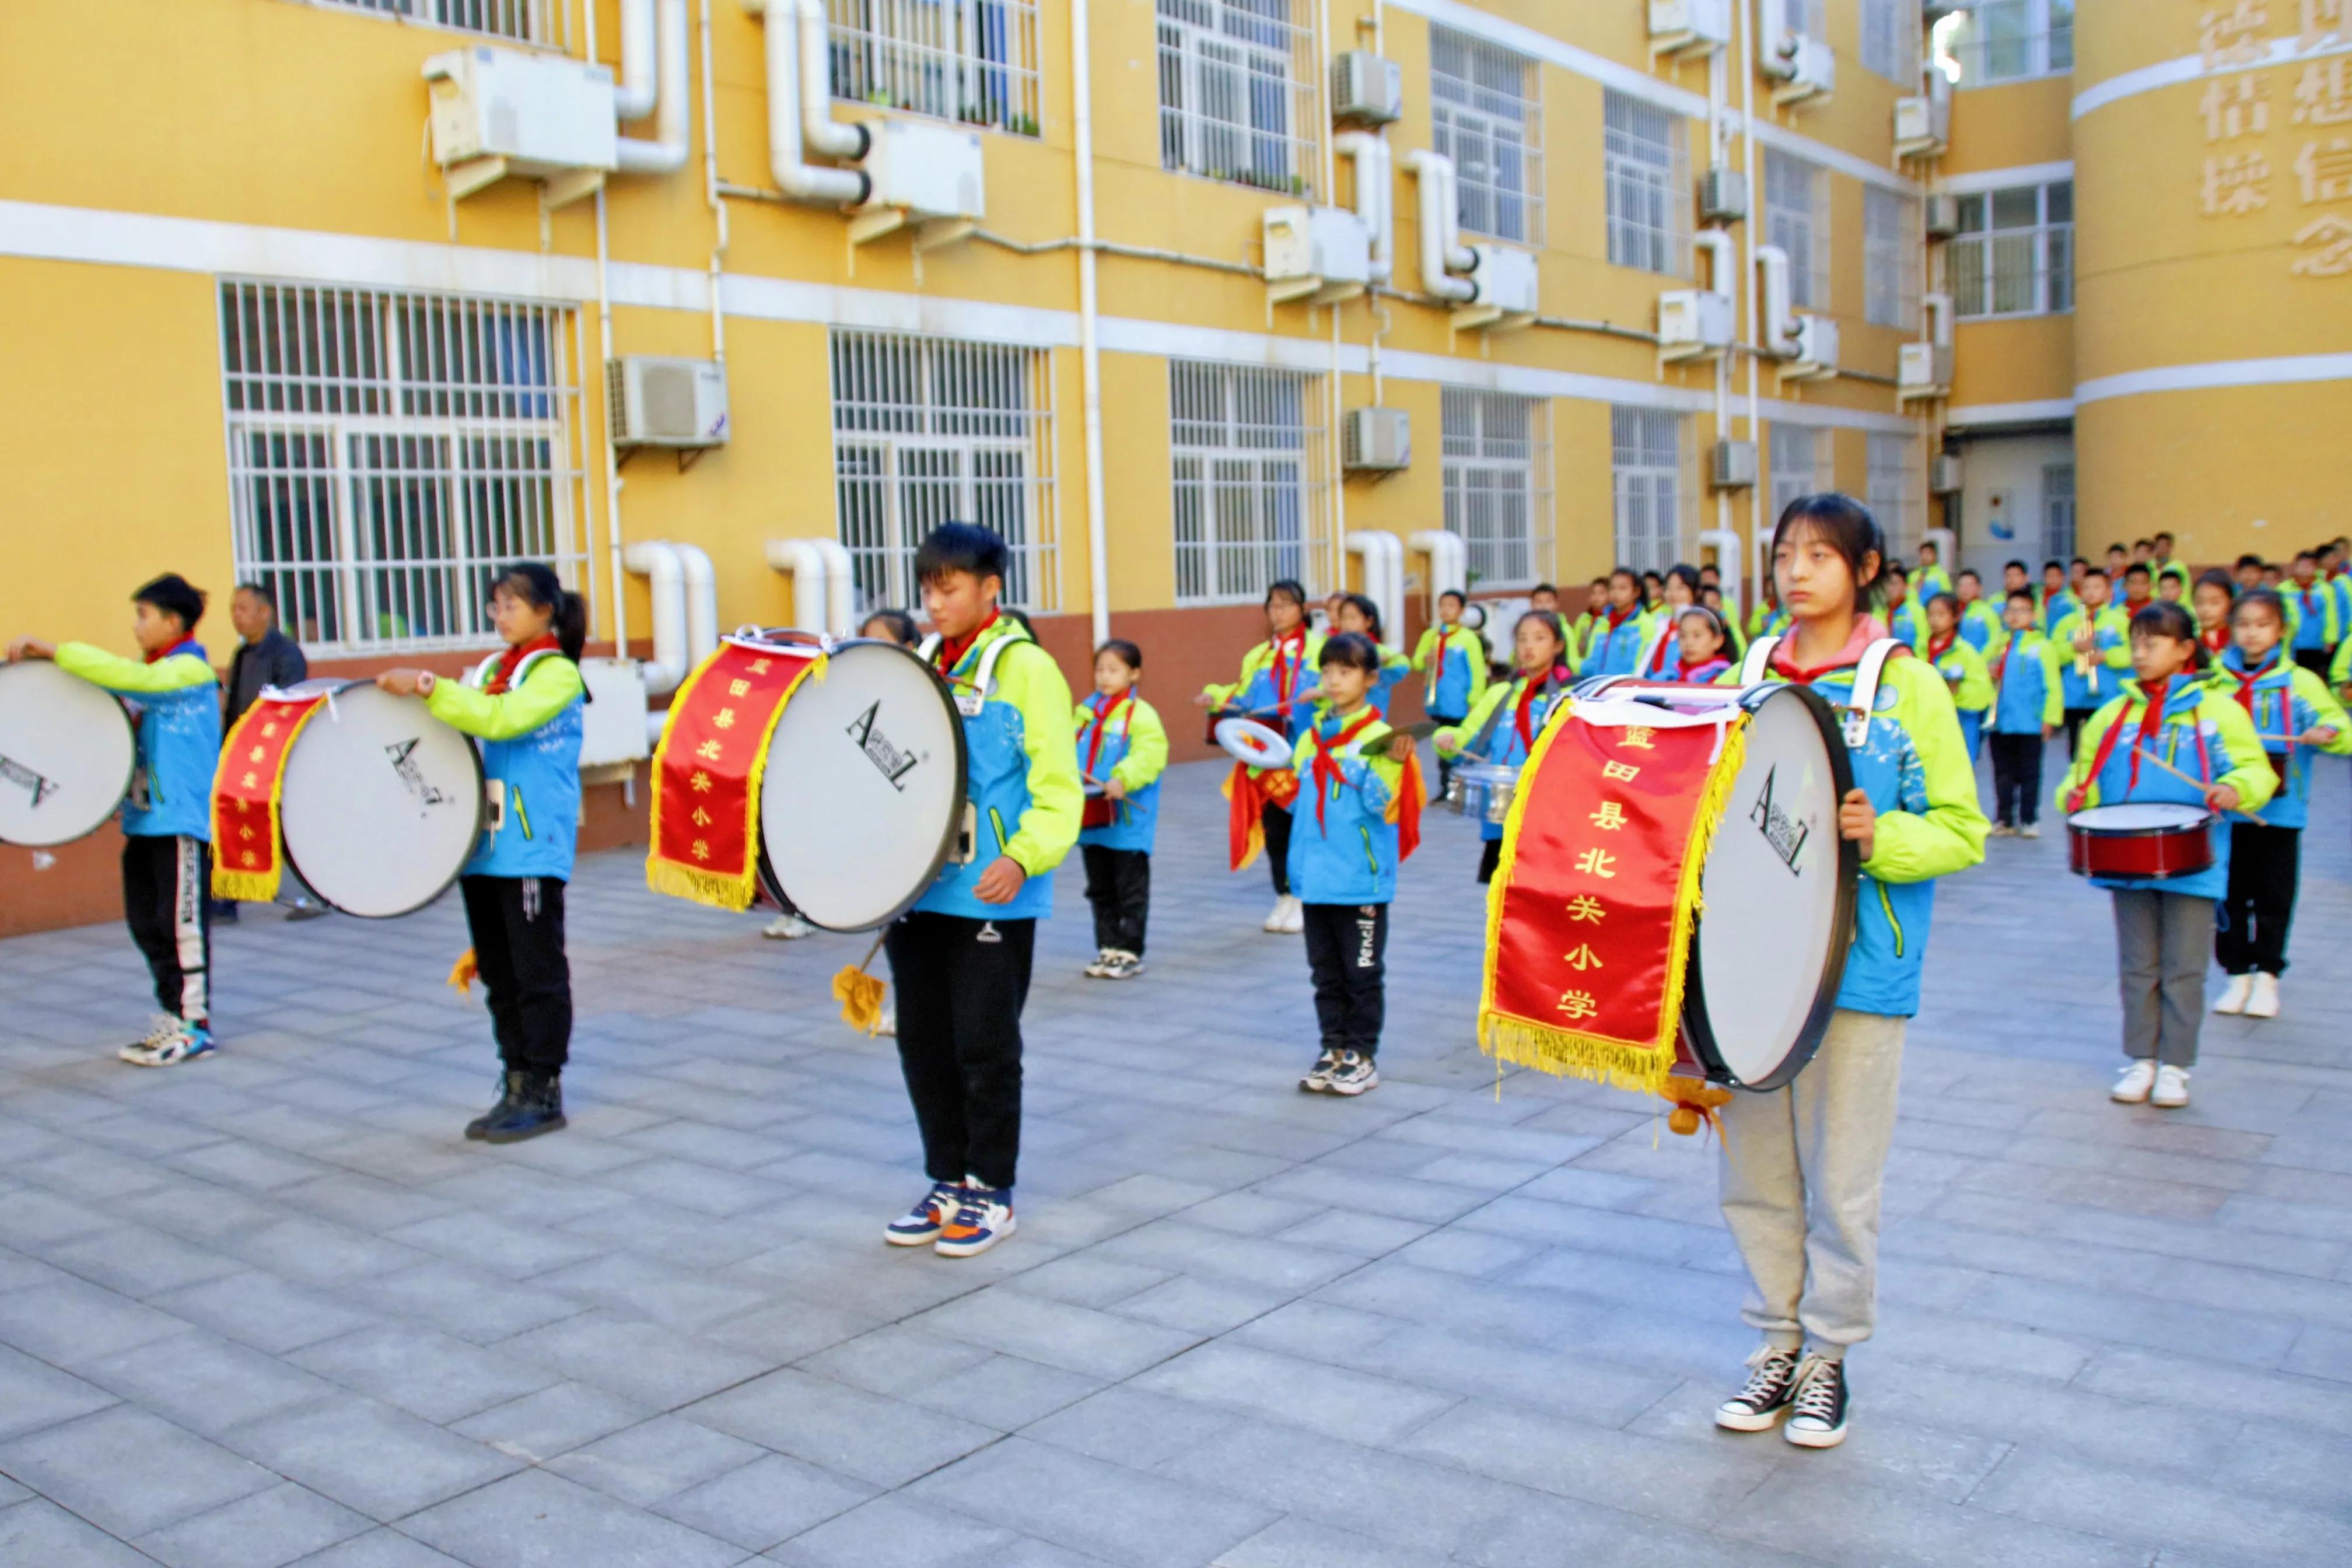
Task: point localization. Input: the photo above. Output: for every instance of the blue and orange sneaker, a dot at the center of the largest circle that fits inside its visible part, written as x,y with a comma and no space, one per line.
928,1216
169,1042
982,1218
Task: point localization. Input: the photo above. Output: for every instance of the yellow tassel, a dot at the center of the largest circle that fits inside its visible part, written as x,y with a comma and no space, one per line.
245,887
462,972
860,995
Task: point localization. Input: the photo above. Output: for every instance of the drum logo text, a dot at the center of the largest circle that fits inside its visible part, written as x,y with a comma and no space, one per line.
411,775
1784,833
888,759
16,773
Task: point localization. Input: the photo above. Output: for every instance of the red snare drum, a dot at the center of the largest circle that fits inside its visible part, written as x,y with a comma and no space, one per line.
2153,839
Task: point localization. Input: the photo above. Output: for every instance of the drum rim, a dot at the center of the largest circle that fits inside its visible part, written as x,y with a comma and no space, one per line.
129,773
2199,825
766,869
480,789
1696,1030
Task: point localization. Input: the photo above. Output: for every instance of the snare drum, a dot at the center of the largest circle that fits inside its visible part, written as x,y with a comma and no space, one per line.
2152,840
862,802
1482,790
382,804
68,750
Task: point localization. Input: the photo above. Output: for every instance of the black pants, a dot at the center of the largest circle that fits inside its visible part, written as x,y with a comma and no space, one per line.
961,984
1118,886
517,923
1490,860
2016,778
1347,952
2250,925
1445,763
165,883
2316,660
2075,718
1276,819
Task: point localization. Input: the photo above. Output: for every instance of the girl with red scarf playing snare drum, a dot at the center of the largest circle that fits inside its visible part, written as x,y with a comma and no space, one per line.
1502,727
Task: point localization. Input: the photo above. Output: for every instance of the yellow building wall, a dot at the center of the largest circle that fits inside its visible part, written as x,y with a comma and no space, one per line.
2010,125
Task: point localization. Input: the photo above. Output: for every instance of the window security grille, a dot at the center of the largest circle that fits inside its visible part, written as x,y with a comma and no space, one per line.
1897,491
1797,219
932,430
388,452
2015,253
2009,40
1891,240
971,60
2058,511
1802,464
1251,480
1238,91
1891,41
1497,471
1650,489
1649,185
529,20
1486,113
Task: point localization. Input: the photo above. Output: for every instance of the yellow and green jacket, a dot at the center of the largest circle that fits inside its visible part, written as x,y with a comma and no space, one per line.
1021,771
179,733
1453,664
2110,660
2201,731
1963,669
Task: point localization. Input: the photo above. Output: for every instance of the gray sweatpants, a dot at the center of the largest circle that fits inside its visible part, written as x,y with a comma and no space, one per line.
2162,940
1801,1170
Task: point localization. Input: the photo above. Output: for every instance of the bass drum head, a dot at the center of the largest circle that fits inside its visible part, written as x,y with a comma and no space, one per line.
382,804
863,797
1769,954
68,750
2138,816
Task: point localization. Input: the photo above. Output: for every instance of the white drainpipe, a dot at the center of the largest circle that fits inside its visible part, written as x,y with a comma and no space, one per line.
634,98
1375,194
1722,265
1441,253
1778,337
667,153
819,129
665,573
1449,562
1726,544
1939,310
1082,126
797,178
812,573
701,602
840,587
1383,557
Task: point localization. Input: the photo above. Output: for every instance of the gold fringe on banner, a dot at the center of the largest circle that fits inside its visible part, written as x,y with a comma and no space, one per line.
245,887
733,891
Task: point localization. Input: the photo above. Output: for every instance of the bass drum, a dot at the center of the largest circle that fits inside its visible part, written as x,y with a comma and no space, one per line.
382,803
862,802
1778,888
68,752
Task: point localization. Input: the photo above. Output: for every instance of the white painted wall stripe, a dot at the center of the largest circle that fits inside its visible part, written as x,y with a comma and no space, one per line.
1965,415
2001,179
2189,68
2286,370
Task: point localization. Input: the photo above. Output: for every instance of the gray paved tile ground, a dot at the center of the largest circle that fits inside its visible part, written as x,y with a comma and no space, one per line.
272,1309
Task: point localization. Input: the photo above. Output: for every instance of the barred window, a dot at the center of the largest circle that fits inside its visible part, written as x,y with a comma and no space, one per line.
1797,219
1486,113
1497,471
1248,465
1649,185
1650,488
971,60
1238,91
1890,40
1890,259
2058,511
933,430
1898,494
529,20
2015,252
389,452
1803,464
2010,41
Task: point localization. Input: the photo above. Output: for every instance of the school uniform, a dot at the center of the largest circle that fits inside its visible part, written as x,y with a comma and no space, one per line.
1981,627
1931,581
1120,738
2315,623
963,966
167,823
2052,608
1617,644
1395,665
1908,625
1453,665
2283,700
1767,621
2080,694
2164,927
1502,730
1963,669
1279,680
2025,699
1352,809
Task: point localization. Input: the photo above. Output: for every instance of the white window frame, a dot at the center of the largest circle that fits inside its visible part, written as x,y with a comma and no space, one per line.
2058,517
389,451
1239,94
1495,467
1892,242
1890,40
1646,171
931,430
1997,41
523,21
1250,480
971,61
1487,116
1804,463
1895,491
1653,493
2022,269
1797,219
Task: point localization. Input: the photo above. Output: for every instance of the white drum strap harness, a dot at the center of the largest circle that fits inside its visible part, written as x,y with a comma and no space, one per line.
1865,680
983,679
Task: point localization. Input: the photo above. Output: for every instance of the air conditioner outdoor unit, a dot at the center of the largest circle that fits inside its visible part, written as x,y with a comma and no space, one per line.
1922,123
496,112
924,170
1315,254
1814,353
1366,88
1685,26
652,400
1808,67
1732,466
1943,214
1694,323
1944,474
1505,279
1723,194
1923,370
1375,441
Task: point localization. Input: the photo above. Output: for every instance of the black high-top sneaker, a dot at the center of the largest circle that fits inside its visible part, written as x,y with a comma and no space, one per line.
1817,1414
510,1086
538,1108
1771,1384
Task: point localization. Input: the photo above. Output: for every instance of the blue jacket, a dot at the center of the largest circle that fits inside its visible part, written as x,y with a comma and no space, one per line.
2288,700
1023,777
1617,652
1452,662
2025,694
1134,750
2110,660
2056,607
1346,851
1289,706
530,741
179,734
2200,731
1492,730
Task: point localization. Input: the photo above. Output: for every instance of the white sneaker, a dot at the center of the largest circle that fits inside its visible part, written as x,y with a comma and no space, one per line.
788,928
1121,964
2171,1088
1276,915
1294,916
1100,967
2263,1003
2001,830
2233,995
2132,1087
2031,830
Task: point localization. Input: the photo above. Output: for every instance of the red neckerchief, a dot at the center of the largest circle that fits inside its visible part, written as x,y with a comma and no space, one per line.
2134,606
512,660
1289,653
1668,651
1102,717
1867,629
1617,617
2246,681
952,650
1326,772
1938,646
182,645
2217,639
1443,632
1523,720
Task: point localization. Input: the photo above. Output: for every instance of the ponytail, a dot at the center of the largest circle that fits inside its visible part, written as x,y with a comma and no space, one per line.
536,584
572,624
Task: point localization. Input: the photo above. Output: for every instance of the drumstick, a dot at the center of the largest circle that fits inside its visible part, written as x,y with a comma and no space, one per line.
2188,778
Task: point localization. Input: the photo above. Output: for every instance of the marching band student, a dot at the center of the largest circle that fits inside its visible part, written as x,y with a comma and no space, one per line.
1359,804
1653,592
1933,578
2025,714
2296,717
1735,645
2161,556
1502,728
2139,589
1680,594
1359,614
2169,715
1767,619
2092,648
525,706
2249,572
1277,686
1903,622
1703,646
1452,659
1544,596
167,816
1980,620
1582,629
2058,597
1962,667
1620,639
2118,558
963,956
1803,1166
2316,614
891,626
2172,583
2210,602
2273,576
1122,745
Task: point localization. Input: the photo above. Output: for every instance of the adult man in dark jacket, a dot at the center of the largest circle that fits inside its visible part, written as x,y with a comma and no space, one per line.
265,657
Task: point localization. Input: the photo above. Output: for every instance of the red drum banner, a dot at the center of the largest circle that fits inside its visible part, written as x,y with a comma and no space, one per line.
707,772
248,856
1588,918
